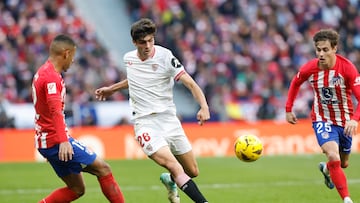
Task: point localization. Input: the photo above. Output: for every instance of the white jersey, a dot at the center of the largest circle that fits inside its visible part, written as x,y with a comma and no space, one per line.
151,81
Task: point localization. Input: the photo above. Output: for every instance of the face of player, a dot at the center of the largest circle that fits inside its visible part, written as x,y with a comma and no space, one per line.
69,56
145,46
326,54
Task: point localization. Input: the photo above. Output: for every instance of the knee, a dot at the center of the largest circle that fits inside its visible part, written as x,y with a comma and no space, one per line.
104,169
344,164
80,191
333,156
192,172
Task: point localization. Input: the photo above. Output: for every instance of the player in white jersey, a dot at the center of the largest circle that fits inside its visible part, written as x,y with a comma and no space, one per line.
151,71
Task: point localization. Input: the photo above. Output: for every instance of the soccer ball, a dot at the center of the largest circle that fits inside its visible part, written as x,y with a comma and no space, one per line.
248,148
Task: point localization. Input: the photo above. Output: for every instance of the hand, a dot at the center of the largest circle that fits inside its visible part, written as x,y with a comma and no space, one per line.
351,128
102,93
66,151
203,115
291,118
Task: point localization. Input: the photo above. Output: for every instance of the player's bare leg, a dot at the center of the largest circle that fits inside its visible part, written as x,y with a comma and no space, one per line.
188,162
344,160
166,159
75,188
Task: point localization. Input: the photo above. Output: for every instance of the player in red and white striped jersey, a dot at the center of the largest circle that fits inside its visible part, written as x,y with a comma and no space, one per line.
66,155
334,79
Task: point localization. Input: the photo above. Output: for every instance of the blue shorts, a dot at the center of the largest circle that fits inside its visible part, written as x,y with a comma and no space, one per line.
81,158
326,132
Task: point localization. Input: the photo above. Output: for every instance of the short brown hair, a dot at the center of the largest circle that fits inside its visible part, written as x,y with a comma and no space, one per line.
327,34
142,28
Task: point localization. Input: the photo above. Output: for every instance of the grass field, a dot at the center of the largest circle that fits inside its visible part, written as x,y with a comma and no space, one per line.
272,179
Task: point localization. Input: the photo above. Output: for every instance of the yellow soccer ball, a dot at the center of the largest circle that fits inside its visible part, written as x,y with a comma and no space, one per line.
248,148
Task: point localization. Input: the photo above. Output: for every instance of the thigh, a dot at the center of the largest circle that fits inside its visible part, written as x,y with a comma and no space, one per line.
166,159
75,182
189,163
98,168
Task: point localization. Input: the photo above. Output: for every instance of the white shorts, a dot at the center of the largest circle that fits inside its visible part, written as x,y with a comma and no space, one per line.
157,130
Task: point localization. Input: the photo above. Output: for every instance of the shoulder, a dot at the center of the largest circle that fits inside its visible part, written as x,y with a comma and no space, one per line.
310,66
130,54
313,63
47,73
344,61
160,50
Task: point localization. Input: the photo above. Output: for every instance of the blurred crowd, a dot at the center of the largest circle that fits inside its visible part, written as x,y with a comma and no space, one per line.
26,28
243,53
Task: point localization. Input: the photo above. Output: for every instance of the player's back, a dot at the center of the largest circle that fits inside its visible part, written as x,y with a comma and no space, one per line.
47,85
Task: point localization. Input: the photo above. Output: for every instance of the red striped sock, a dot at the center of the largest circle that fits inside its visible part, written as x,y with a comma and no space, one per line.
60,195
111,189
338,177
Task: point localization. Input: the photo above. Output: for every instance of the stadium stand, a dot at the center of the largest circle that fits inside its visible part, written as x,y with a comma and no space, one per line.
243,53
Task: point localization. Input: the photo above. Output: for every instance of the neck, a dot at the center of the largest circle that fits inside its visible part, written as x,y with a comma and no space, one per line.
57,66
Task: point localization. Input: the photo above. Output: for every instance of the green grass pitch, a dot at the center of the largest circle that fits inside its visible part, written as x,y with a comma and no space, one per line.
271,179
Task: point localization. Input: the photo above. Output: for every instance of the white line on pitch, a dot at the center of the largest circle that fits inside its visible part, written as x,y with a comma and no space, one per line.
160,187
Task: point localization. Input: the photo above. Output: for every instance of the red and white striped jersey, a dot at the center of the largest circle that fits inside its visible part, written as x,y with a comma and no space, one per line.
48,92
333,89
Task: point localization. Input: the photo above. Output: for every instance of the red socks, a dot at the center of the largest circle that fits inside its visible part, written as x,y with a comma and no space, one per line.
111,189
60,195
338,177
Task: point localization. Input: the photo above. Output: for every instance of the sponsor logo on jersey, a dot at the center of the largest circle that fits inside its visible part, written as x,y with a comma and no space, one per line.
51,88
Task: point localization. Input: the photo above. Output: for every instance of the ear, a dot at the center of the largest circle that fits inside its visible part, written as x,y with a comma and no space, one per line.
66,53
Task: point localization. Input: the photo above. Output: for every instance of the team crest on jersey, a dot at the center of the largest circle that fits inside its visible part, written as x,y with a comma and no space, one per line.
336,81
51,88
154,67
175,63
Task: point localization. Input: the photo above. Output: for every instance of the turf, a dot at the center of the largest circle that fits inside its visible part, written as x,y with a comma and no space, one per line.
271,179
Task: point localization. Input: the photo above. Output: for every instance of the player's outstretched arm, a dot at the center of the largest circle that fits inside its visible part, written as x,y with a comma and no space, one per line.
203,114
105,92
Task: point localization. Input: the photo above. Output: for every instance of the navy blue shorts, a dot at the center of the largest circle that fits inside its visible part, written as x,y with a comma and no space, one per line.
326,132
81,158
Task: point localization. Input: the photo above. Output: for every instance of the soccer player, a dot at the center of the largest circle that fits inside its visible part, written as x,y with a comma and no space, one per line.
333,79
66,155
151,71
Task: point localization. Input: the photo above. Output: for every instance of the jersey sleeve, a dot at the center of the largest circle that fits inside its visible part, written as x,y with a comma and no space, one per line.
54,98
295,84
176,68
355,88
